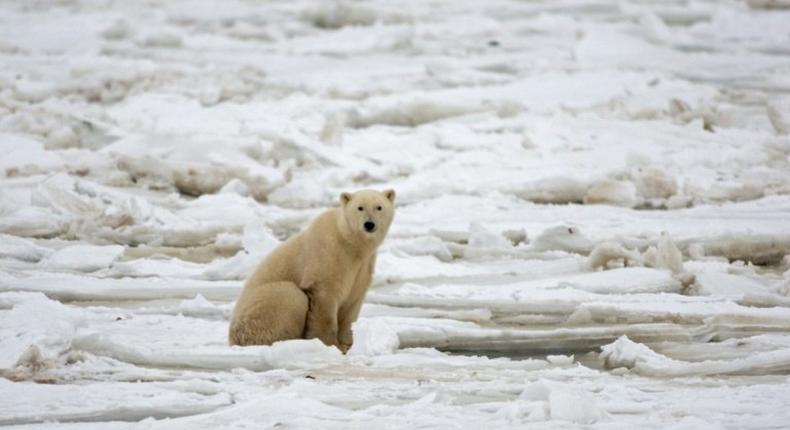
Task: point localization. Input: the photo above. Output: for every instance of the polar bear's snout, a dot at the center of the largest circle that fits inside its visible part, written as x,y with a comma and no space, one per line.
370,226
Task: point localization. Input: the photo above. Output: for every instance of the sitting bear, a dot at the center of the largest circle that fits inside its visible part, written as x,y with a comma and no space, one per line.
313,284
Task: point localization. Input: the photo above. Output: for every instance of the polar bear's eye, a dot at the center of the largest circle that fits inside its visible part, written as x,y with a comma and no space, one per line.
359,208
378,208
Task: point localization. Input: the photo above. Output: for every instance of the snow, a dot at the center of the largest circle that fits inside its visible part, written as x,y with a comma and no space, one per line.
591,228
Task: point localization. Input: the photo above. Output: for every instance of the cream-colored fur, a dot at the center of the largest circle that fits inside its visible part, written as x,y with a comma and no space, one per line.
313,284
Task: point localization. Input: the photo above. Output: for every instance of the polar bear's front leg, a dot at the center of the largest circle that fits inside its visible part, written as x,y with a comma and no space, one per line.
322,318
346,318
349,312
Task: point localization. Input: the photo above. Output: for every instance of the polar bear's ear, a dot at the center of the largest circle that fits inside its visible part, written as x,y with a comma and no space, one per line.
345,198
390,195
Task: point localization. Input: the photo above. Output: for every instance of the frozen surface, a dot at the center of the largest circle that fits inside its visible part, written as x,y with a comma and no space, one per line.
593,221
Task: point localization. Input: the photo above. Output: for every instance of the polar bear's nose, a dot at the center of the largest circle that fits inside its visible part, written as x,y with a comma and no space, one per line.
370,226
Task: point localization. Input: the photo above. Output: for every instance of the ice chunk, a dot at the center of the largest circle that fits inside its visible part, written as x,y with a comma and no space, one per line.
36,331
711,283
117,30
31,221
611,192
409,112
341,13
301,353
25,156
653,182
426,245
235,186
373,336
332,132
778,109
21,249
564,402
769,4
553,190
481,237
562,238
643,360
665,255
607,252
301,193
536,392
105,402
161,39
516,236
755,248
290,354
625,353
572,404
83,258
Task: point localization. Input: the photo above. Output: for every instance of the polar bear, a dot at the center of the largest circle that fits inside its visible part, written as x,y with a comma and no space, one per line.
313,284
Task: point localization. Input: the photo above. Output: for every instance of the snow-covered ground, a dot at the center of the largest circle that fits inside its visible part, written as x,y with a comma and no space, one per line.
593,220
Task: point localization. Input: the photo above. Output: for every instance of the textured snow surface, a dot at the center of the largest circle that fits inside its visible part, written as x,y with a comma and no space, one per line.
593,221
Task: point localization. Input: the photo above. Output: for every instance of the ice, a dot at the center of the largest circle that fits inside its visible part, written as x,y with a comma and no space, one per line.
102,402
374,337
562,238
83,258
36,330
561,402
21,249
665,255
755,248
591,226
569,404
480,237
618,193
25,156
559,189
426,245
338,13
641,359
606,252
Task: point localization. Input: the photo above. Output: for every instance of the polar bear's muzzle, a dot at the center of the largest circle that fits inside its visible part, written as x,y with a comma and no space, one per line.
370,226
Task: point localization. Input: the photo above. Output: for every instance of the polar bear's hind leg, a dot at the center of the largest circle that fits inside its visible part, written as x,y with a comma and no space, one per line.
271,312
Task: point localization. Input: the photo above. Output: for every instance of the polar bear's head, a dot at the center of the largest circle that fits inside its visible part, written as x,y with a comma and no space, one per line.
368,213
